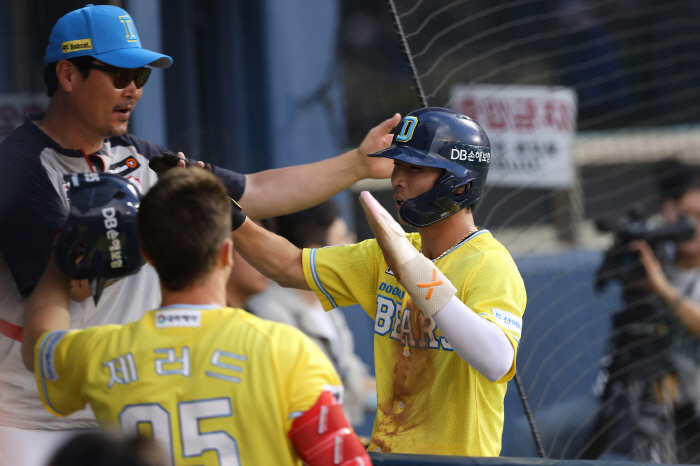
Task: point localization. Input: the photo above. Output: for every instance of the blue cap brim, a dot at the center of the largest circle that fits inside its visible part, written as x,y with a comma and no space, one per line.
134,58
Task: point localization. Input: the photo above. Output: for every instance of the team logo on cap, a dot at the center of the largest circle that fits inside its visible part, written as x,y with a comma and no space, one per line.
76,45
130,29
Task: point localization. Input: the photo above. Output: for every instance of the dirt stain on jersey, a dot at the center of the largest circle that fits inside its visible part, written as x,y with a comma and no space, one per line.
414,376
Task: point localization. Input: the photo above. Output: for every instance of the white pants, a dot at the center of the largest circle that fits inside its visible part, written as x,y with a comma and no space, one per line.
31,447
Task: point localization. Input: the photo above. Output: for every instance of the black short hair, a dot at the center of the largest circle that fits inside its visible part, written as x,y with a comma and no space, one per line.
109,448
191,209
308,227
50,78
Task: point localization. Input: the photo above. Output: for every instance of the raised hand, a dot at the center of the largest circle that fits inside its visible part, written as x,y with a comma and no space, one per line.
389,234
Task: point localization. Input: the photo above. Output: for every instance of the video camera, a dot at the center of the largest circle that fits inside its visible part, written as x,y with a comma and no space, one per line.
622,263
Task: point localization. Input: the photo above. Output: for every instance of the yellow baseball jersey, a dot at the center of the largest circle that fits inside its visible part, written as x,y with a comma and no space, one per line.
215,386
429,400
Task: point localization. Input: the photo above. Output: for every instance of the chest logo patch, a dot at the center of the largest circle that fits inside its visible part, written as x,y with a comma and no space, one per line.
124,167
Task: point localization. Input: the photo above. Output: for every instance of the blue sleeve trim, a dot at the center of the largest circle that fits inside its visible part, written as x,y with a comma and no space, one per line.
47,367
317,281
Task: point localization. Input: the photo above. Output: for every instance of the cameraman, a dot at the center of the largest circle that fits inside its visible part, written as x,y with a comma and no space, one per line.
677,283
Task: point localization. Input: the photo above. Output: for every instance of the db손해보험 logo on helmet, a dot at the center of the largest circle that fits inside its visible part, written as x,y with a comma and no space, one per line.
99,241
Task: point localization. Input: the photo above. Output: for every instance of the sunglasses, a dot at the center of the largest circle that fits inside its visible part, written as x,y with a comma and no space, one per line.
124,76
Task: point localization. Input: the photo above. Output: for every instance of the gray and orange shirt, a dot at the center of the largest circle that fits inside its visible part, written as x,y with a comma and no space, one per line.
33,206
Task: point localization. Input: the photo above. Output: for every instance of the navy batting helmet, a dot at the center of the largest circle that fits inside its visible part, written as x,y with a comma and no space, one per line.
101,228
441,138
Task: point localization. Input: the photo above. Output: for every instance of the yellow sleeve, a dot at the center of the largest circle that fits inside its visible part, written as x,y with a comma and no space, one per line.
496,292
60,369
344,275
305,371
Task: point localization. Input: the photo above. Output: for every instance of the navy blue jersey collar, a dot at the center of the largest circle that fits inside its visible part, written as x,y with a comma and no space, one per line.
32,126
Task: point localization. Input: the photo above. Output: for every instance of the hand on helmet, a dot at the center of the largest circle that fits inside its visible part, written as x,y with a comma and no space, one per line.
378,138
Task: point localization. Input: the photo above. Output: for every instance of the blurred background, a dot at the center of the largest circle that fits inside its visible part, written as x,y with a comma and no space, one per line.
581,100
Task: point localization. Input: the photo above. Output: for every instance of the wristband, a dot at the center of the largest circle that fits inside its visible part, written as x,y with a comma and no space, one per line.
426,284
237,215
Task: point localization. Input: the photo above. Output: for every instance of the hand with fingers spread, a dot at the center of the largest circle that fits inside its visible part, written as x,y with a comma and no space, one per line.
389,234
423,281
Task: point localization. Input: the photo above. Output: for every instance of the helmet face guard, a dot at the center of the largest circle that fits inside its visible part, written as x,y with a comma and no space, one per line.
441,138
438,202
99,241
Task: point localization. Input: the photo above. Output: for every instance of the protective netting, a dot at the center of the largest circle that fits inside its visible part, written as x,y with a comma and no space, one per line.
619,81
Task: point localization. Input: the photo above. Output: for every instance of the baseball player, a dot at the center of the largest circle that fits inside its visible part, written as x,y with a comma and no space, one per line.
214,385
447,301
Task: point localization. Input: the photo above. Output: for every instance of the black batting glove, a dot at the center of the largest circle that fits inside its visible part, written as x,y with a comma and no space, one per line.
162,163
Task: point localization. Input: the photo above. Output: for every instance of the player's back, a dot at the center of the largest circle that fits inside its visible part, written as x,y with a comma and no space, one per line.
216,386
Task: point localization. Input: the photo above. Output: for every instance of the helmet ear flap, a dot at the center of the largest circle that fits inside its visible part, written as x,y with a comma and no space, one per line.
440,201
431,206
67,250
467,196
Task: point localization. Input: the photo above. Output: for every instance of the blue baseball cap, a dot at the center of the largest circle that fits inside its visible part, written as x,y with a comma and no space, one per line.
105,32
